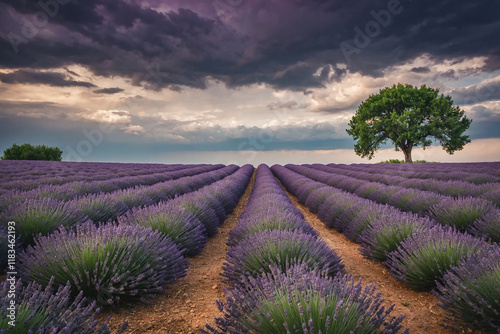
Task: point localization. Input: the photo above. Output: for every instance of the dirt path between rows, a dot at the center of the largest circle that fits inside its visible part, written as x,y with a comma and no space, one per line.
191,302
423,315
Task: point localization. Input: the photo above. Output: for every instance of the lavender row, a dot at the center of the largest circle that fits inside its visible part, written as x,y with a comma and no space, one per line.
73,190
38,175
454,188
191,218
42,216
285,279
481,172
474,215
417,250
114,263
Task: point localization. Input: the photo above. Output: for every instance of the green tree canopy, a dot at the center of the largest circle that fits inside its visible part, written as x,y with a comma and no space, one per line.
30,152
408,116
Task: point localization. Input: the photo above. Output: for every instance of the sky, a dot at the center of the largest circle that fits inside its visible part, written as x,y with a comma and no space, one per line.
237,81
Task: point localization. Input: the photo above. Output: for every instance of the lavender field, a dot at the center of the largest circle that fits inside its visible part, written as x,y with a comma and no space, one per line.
80,239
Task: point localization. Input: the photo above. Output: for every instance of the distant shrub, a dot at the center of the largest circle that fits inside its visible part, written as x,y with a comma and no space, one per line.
423,258
384,234
392,161
34,217
304,301
110,263
282,249
185,230
397,161
30,152
461,212
470,292
46,311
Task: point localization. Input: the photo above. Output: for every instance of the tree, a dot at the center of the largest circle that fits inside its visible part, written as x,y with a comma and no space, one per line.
408,116
30,152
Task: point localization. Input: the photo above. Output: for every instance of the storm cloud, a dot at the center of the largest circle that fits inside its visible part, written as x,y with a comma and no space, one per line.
279,43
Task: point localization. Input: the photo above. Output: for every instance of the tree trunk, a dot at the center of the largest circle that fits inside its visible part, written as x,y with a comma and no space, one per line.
407,153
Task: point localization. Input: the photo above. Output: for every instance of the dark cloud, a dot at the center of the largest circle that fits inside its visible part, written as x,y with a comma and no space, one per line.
421,69
113,90
279,43
25,76
474,94
289,105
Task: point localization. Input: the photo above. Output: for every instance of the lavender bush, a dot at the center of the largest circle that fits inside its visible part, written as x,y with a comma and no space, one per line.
205,214
101,208
304,301
384,234
268,221
34,217
212,202
334,206
132,198
488,226
355,219
307,189
185,230
282,249
109,263
460,213
226,196
422,259
317,197
48,311
470,292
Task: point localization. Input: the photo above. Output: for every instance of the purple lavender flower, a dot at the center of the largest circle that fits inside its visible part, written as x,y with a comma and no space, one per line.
334,206
302,300
461,212
356,218
317,197
282,249
488,226
185,230
470,292
101,208
423,258
132,198
268,221
384,234
46,310
205,214
492,196
109,263
226,196
204,197
34,217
